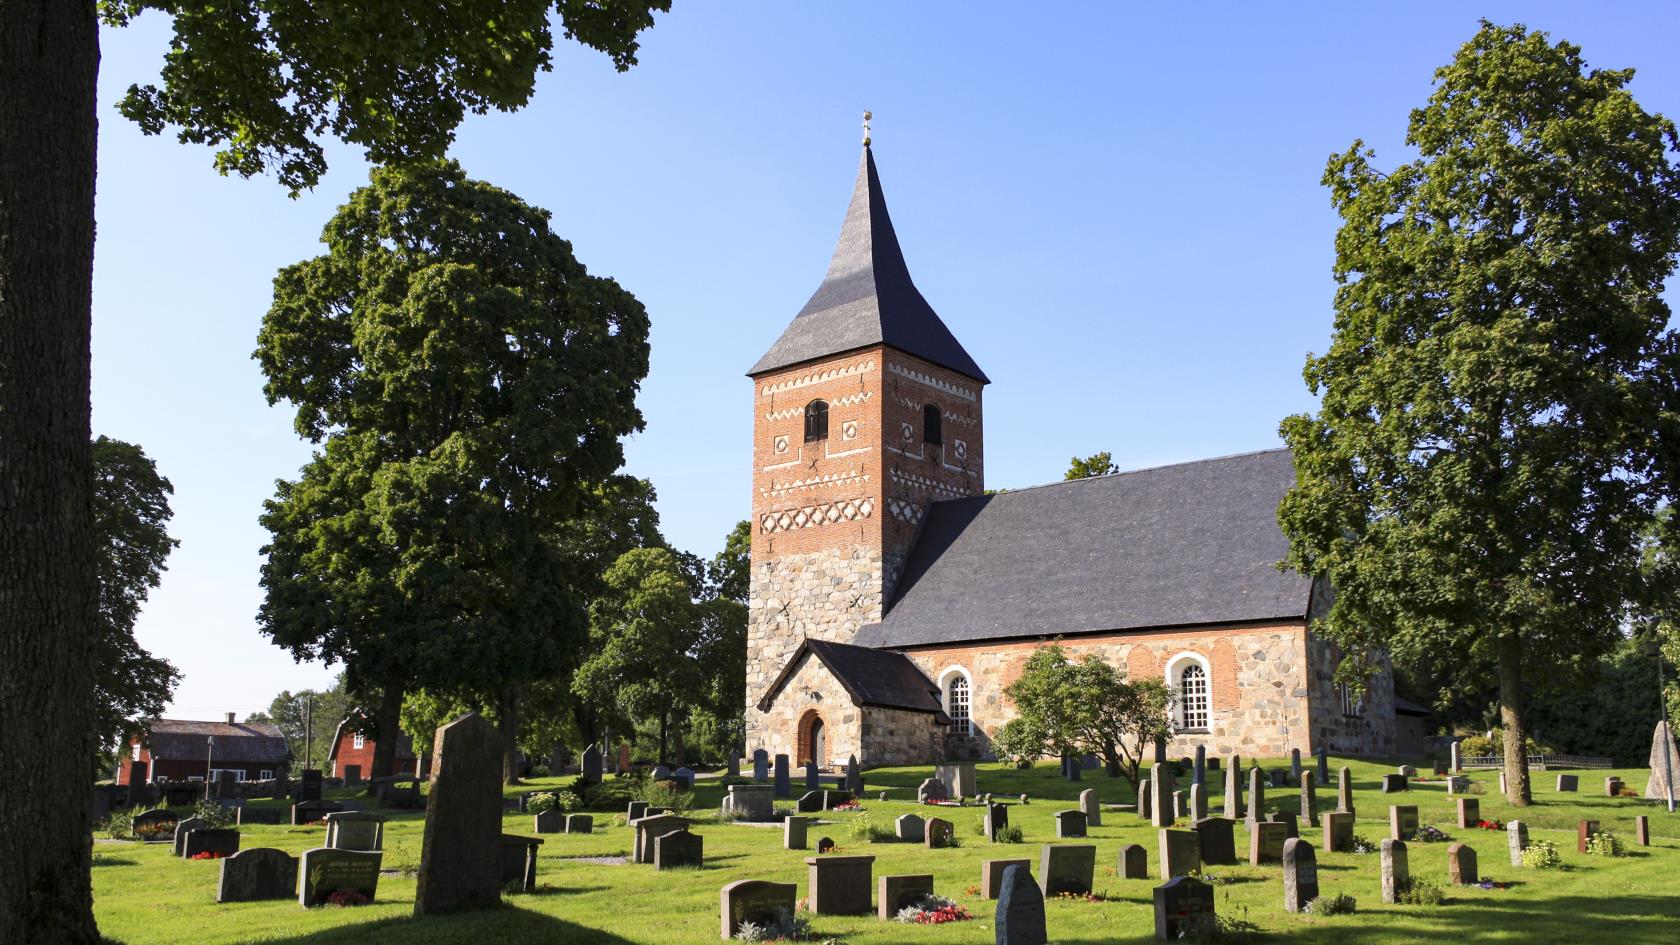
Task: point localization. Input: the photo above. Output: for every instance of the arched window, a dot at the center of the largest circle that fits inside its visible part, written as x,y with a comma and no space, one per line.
1352,706
932,431
1193,697
956,704
816,420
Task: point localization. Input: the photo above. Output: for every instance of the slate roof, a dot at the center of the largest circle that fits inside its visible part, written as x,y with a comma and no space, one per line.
405,745
870,677
181,740
1196,543
867,298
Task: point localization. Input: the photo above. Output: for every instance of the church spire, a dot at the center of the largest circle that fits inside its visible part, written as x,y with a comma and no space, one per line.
867,297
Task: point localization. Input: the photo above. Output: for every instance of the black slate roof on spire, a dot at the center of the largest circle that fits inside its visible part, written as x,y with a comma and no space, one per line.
867,297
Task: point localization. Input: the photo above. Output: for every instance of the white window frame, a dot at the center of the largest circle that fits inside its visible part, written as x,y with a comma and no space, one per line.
358,740
1172,677
136,751
952,673
1351,708
266,774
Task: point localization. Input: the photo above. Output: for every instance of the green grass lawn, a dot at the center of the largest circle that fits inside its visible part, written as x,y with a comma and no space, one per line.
142,895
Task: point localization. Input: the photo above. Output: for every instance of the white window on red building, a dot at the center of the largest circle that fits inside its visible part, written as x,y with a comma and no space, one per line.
136,751
358,740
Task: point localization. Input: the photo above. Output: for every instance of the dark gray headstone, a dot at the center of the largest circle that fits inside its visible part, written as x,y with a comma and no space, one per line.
755,901
1181,852
1300,874
324,872
519,861
356,830
854,775
1163,810
219,842
1200,767
833,799
580,823
309,785
650,828
678,848
308,812
897,892
793,833
938,833
840,885
1393,783
591,763
1020,909
810,803
549,821
256,874
1295,765
1287,819
1568,782
813,780
931,789
1218,840
461,849
635,811
1066,867
996,818
1256,795
1183,907
910,828
684,777
761,772
184,827
1134,862
1069,824
784,787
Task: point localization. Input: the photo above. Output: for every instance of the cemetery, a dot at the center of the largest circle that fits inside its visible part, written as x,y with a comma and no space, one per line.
608,884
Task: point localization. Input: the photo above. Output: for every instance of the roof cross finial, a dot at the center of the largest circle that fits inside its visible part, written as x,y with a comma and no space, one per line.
866,116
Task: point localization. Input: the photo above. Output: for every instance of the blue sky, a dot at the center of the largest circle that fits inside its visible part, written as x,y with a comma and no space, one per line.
1117,210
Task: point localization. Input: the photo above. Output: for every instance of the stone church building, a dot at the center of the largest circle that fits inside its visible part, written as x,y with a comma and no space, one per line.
892,601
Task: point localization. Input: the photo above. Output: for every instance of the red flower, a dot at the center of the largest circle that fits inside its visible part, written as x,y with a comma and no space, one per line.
206,855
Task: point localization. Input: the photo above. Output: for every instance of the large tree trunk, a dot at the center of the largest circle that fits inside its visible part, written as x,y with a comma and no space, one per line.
1511,721
388,719
507,722
49,67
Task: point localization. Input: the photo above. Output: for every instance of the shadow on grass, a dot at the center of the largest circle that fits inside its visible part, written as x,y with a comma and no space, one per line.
504,923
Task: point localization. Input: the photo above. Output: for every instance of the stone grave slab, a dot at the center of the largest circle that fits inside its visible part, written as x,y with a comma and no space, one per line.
1567,783
996,818
784,786
1066,868
1516,840
931,789
910,828
1300,874
323,872
938,833
519,861
1181,853
308,812
156,826
1402,821
1583,833
1091,807
184,827
651,827
218,841
1265,841
753,900
1338,832
580,823
257,874
461,848
1393,783
356,830
678,848
1019,919
1182,906
793,833
895,892
810,802
1134,862
840,885
1070,824
1469,811
1461,865
1216,840
549,821
1395,874
1642,830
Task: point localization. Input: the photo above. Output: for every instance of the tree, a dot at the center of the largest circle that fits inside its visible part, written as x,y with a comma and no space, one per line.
470,382
1097,464
1066,707
268,80
130,518
1499,397
309,719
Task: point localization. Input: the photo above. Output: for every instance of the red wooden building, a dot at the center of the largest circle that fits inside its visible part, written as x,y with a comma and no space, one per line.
352,752
182,750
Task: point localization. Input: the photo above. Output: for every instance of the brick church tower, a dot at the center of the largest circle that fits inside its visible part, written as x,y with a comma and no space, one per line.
865,411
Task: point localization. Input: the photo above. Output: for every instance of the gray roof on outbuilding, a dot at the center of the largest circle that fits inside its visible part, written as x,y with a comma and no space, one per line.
184,740
870,677
867,298
1196,543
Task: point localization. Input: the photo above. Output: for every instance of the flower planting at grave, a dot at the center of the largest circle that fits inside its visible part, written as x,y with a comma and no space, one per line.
207,855
346,897
1490,825
154,830
1339,904
551,800
1605,843
1431,834
1079,897
1420,892
1542,855
848,806
1363,844
933,910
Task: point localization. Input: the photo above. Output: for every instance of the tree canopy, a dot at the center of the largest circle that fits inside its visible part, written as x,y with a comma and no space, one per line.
1097,464
1500,393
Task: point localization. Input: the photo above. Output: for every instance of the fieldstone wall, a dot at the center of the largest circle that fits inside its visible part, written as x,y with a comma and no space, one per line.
899,737
1373,731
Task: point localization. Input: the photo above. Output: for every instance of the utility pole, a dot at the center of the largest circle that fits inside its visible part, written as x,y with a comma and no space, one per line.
1667,732
209,761
308,729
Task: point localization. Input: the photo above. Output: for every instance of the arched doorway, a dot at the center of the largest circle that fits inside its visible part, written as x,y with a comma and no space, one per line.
813,739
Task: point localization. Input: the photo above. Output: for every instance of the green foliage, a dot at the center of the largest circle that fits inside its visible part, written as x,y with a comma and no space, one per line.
213,814
867,831
563,801
1482,746
267,80
1420,892
1073,708
785,927
130,515
1097,464
119,824
665,794
1501,381
1605,843
1009,834
1541,855
309,719
1339,904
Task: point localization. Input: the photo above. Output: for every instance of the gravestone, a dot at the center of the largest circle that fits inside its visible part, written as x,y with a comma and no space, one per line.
958,778
635,811
1070,824
556,760
1256,795
309,785
910,828
580,823
1183,907
1265,841
678,848
549,821
854,775
793,833
269,816
1403,821
651,827
1642,830
1458,784
752,801
1181,852
1461,865
257,874
1323,766
1612,787
309,812
624,759
519,861
761,772
1145,798
997,818
1066,868
734,765
1469,812
1019,919
461,848
1406,771
156,826
591,764
184,827
1071,769
1664,763
784,787
931,789
398,791
754,900
1213,764
896,892
222,841
1395,875
1455,762
684,777
1199,767
1394,784
839,885
323,872
1217,840
1233,790
1344,790
833,799
1583,833
938,833
1090,807
356,830
813,779
1198,802
1162,809
1300,874
809,803
991,874
1516,840
1309,800
1134,862
661,772
1277,777
1568,782
1287,819
1502,790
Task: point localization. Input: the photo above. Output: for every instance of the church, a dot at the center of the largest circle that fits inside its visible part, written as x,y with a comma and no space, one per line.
893,601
